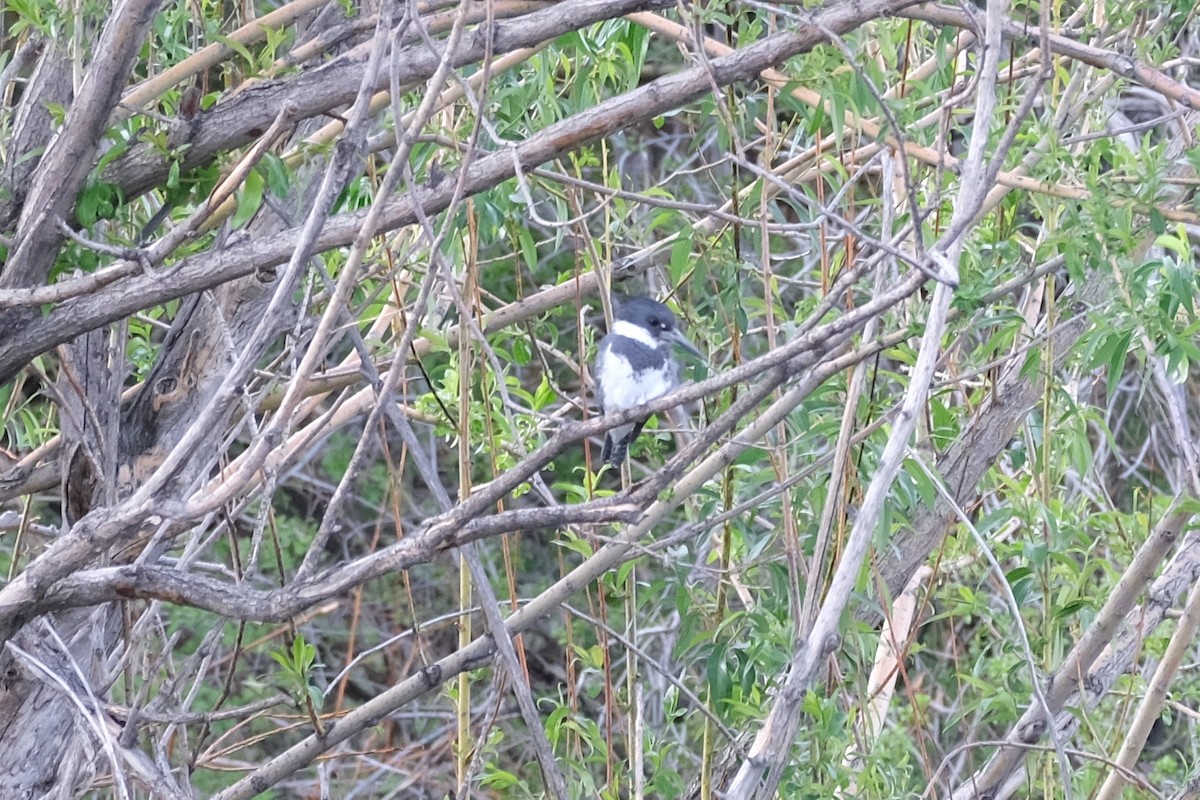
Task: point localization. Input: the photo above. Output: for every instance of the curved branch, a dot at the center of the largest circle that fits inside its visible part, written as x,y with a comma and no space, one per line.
145,582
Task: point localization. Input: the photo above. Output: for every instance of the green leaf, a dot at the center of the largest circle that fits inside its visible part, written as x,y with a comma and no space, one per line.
249,198
279,178
720,685
577,545
528,248
1116,360
1069,609
85,207
499,779
1173,243
624,571
1158,223
236,47
110,155
681,256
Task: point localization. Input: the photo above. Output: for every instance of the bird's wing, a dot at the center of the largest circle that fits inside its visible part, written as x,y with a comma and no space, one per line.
602,355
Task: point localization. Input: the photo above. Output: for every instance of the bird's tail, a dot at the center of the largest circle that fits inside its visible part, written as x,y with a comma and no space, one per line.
616,444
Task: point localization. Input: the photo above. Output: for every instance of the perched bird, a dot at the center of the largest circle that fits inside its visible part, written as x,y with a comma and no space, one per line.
635,365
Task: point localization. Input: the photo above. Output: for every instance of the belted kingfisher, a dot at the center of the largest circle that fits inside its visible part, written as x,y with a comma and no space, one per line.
635,365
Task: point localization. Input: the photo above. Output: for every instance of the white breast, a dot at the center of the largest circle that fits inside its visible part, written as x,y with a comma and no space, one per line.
623,388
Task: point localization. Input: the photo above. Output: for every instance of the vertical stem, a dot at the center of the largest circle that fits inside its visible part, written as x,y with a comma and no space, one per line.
465,370
708,743
632,688
1049,657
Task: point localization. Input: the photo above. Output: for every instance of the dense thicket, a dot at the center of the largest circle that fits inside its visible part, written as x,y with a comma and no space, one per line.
299,488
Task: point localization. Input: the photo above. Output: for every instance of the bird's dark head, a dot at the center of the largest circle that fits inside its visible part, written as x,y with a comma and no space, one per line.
649,314
654,318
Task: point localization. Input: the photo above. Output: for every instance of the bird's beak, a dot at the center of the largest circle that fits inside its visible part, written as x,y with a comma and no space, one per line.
678,338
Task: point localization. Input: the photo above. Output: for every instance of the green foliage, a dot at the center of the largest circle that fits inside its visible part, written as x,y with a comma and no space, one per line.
296,671
46,18
249,198
27,423
713,595
97,201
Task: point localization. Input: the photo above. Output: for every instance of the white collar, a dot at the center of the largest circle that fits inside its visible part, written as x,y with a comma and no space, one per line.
636,332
